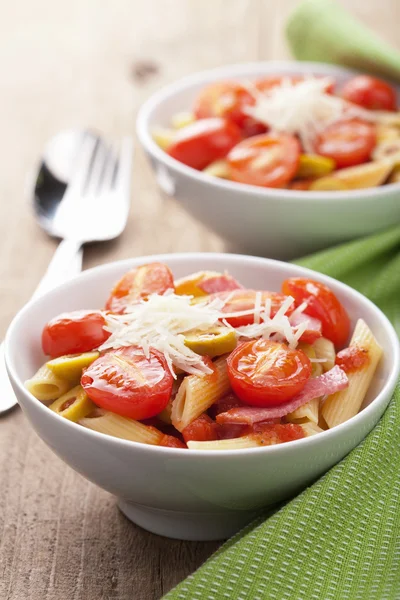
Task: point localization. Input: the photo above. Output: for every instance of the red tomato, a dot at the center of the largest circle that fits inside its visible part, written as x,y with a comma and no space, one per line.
202,429
228,99
202,142
321,304
309,336
347,142
266,160
170,441
265,84
370,92
244,300
353,358
154,278
265,373
125,382
74,333
277,434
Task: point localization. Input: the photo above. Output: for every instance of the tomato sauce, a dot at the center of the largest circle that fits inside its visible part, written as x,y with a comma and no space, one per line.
352,359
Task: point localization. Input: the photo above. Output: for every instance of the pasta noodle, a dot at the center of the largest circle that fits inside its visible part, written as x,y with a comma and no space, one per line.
345,404
197,393
324,348
308,411
46,386
246,441
122,427
310,428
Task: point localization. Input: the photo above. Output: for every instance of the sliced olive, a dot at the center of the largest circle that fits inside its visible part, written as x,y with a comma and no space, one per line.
74,405
70,367
314,165
216,341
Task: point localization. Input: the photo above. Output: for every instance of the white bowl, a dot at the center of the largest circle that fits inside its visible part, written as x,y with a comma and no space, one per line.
186,494
269,222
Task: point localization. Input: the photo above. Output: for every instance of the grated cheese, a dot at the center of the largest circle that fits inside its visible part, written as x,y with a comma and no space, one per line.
161,321
303,108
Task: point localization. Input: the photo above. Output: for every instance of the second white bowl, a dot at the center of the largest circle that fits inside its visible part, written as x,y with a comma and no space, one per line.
269,222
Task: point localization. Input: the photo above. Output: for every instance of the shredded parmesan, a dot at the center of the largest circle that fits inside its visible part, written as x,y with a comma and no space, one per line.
303,108
161,321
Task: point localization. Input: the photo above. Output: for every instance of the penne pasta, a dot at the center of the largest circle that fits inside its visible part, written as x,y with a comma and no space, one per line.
324,348
74,405
247,441
122,427
308,411
343,405
46,386
311,428
197,393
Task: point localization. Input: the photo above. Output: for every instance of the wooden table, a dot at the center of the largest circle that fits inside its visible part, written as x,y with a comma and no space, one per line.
90,63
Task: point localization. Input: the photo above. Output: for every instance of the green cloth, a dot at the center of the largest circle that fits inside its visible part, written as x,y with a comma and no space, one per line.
322,31
340,538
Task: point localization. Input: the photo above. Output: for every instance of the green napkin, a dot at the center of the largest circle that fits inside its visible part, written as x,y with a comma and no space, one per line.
340,538
322,31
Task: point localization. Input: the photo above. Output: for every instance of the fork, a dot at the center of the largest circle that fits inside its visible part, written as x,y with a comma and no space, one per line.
94,207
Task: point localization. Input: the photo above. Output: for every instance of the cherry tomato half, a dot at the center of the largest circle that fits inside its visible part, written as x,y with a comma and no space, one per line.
202,142
321,304
265,160
265,373
154,278
125,382
370,92
74,333
348,143
228,99
244,300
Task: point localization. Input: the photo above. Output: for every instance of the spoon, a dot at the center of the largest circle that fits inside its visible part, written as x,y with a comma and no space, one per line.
78,173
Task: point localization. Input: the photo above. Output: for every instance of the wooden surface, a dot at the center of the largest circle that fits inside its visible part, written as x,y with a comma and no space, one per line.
91,63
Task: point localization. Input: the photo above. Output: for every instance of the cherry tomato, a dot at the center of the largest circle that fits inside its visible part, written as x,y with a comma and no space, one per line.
219,283
348,142
170,441
244,300
154,278
202,142
202,429
74,333
266,160
125,382
228,99
265,84
321,304
265,373
370,92
352,359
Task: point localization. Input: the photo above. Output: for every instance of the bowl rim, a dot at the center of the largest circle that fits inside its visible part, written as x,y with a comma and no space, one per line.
233,258
233,70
